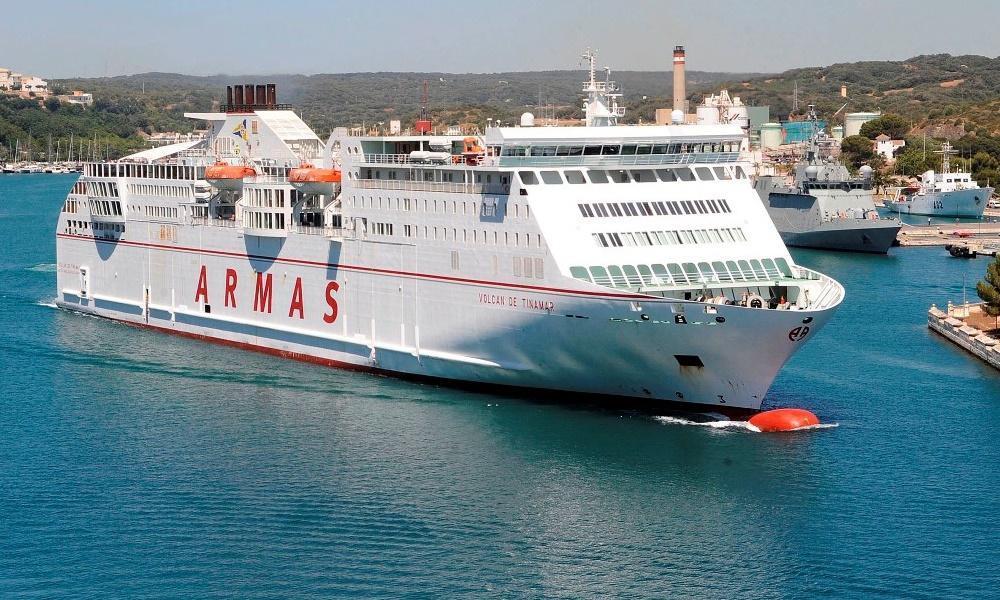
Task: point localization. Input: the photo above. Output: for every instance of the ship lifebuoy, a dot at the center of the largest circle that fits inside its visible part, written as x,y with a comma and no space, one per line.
755,301
845,186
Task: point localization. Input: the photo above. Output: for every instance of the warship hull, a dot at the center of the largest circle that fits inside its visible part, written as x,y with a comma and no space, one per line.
875,237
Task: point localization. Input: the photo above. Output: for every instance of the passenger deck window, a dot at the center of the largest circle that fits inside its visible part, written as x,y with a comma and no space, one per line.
528,177
628,149
611,150
643,176
722,173
597,176
574,177
704,174
579,273
644,149
684,174
740,173
620,176
591,150
551,177
666,175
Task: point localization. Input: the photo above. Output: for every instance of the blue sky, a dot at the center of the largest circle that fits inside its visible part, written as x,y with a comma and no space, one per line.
57,38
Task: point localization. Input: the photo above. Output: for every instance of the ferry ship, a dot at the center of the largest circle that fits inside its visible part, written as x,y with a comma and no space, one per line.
943,194
623,261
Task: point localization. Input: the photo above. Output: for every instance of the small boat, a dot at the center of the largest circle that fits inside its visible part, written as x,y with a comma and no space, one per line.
313,180
225,176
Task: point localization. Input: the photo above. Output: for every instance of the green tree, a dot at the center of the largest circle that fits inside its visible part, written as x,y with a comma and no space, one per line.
989,290
893,126
857,150
52,103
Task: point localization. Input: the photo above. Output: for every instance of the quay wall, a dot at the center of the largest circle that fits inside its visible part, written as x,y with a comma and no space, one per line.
957,331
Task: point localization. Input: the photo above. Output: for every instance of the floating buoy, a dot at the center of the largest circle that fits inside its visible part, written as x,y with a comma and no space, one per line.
783,419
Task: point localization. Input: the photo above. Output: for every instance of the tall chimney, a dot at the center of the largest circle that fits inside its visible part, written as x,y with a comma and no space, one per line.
680,89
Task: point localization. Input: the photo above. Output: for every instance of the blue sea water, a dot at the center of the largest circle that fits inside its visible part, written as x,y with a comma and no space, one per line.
135,464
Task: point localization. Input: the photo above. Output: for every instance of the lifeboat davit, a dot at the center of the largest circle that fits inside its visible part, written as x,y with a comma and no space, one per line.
783,419
225,176
312,180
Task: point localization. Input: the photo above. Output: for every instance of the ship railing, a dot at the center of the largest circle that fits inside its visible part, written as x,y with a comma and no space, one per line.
619,160
267,179
430,186
309,230
830,291
455,159
213,222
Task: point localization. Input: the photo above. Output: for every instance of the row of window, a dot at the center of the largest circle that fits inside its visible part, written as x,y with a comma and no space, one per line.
648,209
146,171
576,177
73,225
169,191
629,239
106,208
621,149
71,206
104,189
264,197
263,220
487,208
160,212
634,276
454,234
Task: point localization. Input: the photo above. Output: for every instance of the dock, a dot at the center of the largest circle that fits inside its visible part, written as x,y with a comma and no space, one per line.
983,234
965,326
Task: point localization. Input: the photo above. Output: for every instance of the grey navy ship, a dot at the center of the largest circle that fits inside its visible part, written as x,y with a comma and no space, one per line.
825,207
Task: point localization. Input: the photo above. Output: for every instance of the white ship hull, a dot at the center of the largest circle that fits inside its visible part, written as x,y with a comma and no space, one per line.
523,257
417,324
968,203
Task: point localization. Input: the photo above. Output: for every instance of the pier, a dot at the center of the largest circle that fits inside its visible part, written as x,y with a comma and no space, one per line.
985,234
964,325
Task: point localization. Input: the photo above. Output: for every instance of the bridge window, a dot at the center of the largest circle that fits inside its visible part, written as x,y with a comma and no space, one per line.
704,174
628,149
684,174
597,176
528,177
722,173
666,175
551,177
611,150
575,177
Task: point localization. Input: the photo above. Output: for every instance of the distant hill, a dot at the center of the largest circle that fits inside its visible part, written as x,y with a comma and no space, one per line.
941,94
331,100
924,88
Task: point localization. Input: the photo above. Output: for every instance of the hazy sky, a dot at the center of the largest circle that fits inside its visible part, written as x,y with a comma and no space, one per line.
65,38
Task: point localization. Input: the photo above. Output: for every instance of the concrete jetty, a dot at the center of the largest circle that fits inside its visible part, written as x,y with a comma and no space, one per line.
964,325
942,235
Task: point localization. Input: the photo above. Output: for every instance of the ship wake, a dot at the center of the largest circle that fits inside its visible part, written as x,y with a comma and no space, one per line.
714,421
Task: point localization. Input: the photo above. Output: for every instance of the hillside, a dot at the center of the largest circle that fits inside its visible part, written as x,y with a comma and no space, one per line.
943,95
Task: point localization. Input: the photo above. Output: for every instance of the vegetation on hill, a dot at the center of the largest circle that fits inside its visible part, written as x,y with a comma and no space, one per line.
937,96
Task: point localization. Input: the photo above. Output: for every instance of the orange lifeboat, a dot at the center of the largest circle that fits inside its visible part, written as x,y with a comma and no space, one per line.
225,176
313,180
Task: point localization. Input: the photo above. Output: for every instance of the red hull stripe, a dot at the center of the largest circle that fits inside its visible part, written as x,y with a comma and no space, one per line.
313,263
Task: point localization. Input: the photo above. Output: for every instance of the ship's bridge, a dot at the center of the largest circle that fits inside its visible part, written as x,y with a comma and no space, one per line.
625,145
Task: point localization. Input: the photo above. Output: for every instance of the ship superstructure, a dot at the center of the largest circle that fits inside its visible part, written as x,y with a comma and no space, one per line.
631,261
825,207
944,194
